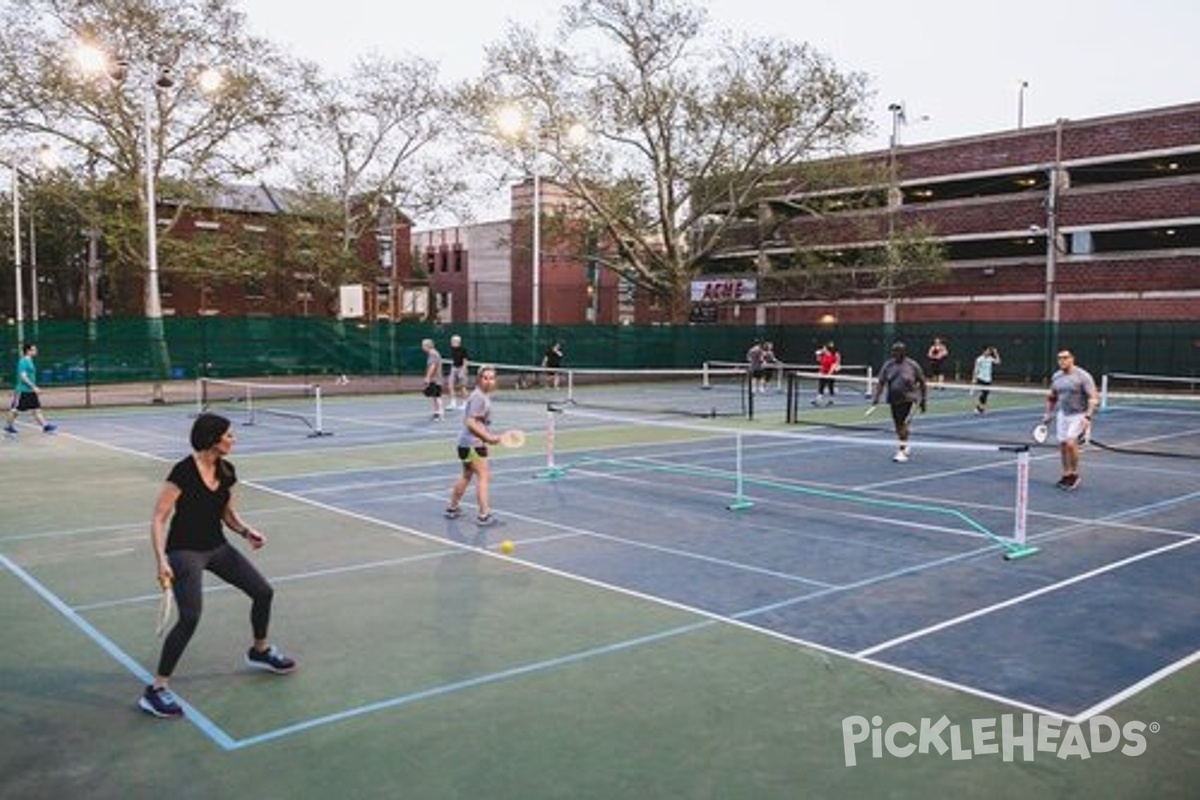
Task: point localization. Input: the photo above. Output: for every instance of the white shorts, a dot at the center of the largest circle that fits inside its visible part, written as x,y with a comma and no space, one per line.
458,376
1069,427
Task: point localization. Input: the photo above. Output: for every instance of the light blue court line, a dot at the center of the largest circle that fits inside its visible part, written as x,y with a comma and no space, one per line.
228,743
470,683
203,723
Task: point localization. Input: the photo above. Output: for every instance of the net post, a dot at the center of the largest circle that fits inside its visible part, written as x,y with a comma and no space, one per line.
749,386
740,503
571,385
1019,547
790,407
705,383
319,418
249,404
200,385
551,471
869,382
1104,392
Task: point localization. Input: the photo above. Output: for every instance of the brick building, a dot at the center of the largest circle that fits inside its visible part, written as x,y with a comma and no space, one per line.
254,219
1089,220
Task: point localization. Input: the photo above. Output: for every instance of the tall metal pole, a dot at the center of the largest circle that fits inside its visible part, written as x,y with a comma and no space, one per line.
159,357
1051,311
536,279
35,312
153,297
20,289
1021,104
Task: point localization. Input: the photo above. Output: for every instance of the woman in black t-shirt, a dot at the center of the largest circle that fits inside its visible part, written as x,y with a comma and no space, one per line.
197,500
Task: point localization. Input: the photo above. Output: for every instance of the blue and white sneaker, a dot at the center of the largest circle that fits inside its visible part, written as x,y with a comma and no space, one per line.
10,429
160,703
49,427
272,660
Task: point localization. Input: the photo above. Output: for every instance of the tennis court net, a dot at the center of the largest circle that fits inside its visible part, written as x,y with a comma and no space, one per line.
701,392
820,474
1139,415
1157,415
254,403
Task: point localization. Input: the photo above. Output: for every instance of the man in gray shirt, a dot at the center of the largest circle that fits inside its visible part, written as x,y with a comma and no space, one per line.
906,387
1073,393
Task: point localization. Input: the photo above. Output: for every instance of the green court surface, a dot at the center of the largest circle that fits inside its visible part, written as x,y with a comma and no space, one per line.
433,666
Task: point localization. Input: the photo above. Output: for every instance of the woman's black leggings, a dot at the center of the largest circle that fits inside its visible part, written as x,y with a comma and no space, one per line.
228,564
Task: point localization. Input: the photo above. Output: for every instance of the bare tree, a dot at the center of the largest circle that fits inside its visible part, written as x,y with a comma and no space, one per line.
688,129
367,146
142,107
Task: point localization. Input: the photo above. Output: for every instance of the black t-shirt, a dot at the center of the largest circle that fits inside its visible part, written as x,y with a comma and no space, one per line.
554,356
196,524
458,356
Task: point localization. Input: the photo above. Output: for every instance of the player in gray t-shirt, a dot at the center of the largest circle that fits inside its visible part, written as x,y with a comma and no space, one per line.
1073,393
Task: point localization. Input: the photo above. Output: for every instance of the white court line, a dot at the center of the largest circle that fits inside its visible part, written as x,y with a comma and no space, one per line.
662,601
1021,598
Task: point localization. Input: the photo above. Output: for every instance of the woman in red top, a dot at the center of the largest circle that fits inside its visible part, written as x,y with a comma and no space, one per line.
829,361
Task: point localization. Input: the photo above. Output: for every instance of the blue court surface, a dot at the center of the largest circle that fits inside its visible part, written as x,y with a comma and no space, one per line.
635,532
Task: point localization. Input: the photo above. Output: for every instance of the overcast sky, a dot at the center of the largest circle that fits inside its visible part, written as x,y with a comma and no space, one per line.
958,62
956,65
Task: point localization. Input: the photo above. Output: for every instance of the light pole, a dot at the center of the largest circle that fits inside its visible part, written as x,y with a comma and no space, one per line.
153,80
1021,87
513,124
536,279
16,213
14,163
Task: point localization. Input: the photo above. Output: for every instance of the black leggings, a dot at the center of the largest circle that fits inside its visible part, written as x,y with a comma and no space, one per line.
228,564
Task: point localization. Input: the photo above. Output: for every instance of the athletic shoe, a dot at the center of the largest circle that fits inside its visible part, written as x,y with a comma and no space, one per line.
453,512
485,519
900,457
160,703
1064,482
272,660
10,429
49,427
1072,483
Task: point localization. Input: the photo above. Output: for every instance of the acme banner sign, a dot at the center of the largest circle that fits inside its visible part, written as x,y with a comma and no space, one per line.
726,290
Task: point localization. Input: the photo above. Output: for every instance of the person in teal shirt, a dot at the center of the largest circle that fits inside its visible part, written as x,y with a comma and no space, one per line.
25,396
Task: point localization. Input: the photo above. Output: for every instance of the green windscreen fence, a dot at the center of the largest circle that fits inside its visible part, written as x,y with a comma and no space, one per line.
121,350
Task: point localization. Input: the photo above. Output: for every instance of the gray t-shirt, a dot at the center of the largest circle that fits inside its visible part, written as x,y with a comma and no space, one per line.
479,406
1072,390
903,380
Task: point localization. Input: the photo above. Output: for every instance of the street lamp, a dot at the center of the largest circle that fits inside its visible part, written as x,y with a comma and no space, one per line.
1021,87
153,80
14,160
513,123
